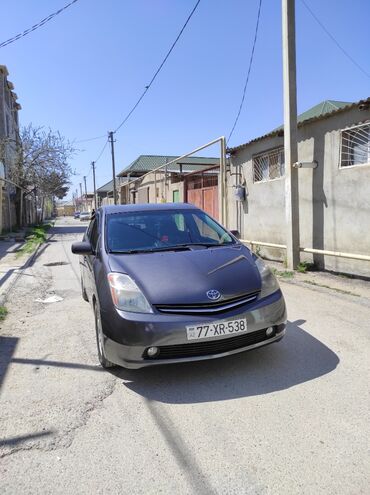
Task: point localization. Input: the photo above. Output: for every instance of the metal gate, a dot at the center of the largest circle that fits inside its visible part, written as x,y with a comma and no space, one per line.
201,189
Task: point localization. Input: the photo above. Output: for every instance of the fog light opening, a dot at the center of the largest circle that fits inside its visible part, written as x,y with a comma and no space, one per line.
152,352
270,331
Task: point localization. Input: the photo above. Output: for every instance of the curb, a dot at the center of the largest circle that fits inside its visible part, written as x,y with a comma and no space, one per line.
15,276
13,279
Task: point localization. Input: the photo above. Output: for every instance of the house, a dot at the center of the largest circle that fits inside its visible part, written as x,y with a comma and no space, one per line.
65,208
105,192
9,140
334,198
86,202
192,180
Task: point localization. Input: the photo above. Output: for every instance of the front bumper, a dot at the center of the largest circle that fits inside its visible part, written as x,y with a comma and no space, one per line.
128,337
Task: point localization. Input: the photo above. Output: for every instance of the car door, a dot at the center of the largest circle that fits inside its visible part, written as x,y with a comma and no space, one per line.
92,235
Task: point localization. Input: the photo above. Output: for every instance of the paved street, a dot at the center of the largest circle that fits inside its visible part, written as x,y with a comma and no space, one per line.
291,418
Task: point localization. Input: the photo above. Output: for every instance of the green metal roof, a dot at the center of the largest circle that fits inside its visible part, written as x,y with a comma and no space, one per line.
319,110
146,163
106,188
322,110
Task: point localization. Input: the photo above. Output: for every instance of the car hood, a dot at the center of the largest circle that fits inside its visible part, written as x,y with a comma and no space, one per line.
184,277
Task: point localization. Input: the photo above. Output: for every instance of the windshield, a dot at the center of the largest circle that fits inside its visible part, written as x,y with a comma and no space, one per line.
158,230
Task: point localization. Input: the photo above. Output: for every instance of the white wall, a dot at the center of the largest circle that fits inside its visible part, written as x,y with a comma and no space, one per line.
334,202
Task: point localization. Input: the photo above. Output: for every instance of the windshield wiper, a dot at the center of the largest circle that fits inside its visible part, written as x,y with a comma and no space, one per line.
176,247
205,244
151,250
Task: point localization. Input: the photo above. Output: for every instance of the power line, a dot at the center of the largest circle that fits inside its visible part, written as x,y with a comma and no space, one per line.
159,68
102,151
36,26
91,139
248,73
100,155
335,41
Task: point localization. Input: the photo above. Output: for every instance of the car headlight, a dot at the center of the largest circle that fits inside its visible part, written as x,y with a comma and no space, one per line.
126,294
268,279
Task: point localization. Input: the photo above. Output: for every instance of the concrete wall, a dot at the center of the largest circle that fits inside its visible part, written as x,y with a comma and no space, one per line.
334,202
65,210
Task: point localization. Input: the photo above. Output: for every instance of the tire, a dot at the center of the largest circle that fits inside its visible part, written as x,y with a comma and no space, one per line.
83,292
100,340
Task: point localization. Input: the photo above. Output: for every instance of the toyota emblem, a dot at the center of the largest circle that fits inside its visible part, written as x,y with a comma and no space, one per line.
213,295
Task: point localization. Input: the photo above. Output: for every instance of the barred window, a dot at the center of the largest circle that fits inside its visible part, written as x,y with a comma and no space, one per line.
269,165
355,146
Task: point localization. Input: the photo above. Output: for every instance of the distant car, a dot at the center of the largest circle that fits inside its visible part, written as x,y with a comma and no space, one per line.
76,214
85,216
169,284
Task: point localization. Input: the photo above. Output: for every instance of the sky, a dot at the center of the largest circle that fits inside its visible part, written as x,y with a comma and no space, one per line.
82,72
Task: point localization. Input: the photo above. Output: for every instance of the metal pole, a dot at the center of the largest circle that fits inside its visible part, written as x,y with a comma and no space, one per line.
81,192
95,198
177,159
290,133
128,189
155,187
223,203
85,193
110,134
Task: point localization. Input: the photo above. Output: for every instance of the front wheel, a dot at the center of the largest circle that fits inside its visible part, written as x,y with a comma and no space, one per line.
100,340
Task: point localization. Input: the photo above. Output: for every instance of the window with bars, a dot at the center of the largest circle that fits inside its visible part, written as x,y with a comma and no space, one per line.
269,165
355,146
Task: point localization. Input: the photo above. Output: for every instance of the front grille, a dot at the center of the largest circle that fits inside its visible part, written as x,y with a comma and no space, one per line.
212,347
209,307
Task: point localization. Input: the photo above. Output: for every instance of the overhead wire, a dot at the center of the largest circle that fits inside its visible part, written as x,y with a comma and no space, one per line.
102,151
334,40
248,72
152,79
97,159
159,68
36,26
90,139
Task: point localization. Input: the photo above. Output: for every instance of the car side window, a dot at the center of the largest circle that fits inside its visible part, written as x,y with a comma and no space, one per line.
93,233
88,230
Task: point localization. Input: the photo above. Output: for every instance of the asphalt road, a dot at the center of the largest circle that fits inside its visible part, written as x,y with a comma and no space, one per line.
291,418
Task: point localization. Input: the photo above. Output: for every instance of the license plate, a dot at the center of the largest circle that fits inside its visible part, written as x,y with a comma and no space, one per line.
216,329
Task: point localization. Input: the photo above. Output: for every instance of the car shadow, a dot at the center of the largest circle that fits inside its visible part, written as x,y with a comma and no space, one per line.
68,229
298,358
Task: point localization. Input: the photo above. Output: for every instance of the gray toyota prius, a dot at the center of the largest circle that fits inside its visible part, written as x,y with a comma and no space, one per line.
169,284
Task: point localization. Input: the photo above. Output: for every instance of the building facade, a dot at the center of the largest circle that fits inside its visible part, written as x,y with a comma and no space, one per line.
334,198
192,180
9,141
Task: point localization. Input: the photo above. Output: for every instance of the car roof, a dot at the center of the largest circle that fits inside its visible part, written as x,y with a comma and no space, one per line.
109,209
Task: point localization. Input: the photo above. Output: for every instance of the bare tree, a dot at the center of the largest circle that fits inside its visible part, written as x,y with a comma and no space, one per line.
38,164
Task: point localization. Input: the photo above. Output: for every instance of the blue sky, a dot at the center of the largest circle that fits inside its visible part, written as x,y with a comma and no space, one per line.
81,73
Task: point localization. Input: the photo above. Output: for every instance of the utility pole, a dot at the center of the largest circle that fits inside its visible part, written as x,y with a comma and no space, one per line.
95,198
81,193
85,193
290,133
110,135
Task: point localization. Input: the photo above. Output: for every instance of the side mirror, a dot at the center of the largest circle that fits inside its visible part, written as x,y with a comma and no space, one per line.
235,233
82,248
